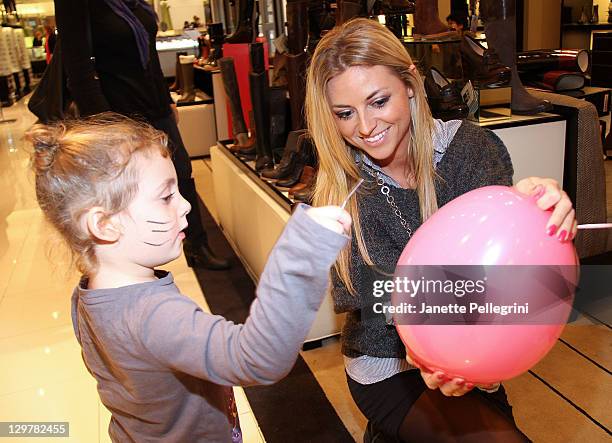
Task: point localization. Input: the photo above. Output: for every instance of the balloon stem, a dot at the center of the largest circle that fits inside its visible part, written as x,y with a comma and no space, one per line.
595,226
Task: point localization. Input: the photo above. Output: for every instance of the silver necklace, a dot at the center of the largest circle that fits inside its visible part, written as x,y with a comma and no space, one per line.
385,190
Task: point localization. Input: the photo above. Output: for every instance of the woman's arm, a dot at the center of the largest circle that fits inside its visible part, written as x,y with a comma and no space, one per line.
74,28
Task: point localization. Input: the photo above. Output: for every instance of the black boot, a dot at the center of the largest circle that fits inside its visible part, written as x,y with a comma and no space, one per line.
195,246
297,59
279,120
320,19
296,68
305,156
244,32
258,81
230,83
500,28
215,31
199,254
287,163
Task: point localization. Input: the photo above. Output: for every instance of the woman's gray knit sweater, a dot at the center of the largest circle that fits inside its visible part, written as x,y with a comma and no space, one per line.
475,157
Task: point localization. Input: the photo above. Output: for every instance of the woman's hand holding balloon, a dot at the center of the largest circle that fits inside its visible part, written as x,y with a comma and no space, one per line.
450,387
455,387
550,196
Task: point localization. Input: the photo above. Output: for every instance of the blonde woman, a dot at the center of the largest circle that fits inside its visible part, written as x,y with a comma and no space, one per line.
367,112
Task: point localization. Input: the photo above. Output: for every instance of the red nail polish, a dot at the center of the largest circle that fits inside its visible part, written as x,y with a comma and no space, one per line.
551,230
460,383
441,377
469,385
562,235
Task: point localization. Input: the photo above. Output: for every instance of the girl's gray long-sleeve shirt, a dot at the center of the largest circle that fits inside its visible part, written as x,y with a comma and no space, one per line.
163,365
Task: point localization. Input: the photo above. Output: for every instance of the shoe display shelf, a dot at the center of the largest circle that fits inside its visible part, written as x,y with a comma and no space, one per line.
453,59
252,214
197,124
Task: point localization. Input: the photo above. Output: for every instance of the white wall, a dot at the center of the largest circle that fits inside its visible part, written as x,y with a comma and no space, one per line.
36,8
603,9
542,24
184,10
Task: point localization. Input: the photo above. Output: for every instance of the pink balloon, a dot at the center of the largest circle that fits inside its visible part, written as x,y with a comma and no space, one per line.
494,225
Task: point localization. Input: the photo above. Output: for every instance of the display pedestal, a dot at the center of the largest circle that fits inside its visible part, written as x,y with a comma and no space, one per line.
252,216
197,127
536,144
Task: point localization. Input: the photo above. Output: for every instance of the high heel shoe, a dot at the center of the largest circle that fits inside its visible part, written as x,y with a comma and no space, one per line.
482,65
444,97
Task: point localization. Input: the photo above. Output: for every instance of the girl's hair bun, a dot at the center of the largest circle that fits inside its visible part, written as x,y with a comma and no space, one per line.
46,140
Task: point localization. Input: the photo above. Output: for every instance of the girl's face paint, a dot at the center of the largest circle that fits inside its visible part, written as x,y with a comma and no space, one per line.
152,224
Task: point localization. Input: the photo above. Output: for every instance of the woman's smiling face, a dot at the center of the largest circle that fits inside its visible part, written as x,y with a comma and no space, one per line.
372,111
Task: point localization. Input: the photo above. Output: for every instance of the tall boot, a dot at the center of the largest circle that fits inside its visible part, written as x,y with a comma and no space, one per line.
187,79
287,163
196,248
215,32
244,30
348,9
500,28
297,59
427,19
296,69
176,86
230,83
258,81
279,121
319,19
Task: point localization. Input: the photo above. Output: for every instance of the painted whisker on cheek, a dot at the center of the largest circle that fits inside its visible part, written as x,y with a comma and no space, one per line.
156,244
159,230
157,222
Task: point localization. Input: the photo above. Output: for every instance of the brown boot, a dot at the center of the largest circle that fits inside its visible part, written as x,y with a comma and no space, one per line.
177,85
232,92
348,9
308,174
500,28
427,19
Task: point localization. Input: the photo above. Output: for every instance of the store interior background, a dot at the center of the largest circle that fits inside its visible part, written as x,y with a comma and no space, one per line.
566,398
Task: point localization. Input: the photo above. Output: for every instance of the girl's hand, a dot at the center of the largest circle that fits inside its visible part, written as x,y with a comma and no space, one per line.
550,196
332,217
450,387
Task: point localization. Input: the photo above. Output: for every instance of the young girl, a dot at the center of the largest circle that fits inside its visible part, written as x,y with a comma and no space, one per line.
107,184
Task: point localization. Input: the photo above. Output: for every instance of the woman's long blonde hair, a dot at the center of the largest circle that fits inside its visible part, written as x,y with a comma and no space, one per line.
363,42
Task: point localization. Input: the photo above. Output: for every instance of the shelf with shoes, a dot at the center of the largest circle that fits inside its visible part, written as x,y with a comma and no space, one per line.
252,214
292,186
